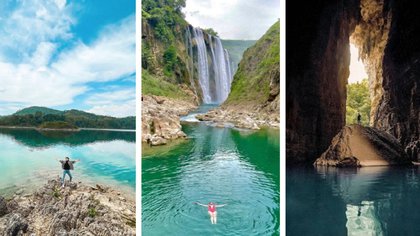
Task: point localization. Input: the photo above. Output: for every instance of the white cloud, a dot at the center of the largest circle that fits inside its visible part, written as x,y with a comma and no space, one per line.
117,103
32,31
118,96
246,19
110,57
33,22
127,108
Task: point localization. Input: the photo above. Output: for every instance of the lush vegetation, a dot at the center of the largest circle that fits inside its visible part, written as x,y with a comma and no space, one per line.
358,100
153,85
211,31
33,110
35,117
251,82
57,125
236,49
163,16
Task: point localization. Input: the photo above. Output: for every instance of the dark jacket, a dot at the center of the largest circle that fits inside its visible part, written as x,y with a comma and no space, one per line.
70,164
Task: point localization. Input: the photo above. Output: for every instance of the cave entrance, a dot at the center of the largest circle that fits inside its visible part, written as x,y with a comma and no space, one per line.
358,95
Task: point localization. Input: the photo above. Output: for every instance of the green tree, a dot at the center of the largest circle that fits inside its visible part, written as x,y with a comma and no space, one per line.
211,31
358,100
170,60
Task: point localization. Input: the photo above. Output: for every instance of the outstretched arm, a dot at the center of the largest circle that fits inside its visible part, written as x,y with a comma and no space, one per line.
222,205
200,204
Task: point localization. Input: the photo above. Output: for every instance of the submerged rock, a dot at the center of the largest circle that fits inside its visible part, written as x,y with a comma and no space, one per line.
357,146
76,209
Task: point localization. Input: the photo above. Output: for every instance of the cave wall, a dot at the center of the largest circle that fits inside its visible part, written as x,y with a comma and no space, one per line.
371,37
317,68
399,110
387,33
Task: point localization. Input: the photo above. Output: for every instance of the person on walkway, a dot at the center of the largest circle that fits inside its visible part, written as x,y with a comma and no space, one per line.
67,165
211,207
359,118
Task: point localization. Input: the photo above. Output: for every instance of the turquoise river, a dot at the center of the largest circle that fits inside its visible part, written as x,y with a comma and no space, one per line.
239,168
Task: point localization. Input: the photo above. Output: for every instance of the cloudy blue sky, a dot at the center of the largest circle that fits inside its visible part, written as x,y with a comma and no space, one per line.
62,54
233,19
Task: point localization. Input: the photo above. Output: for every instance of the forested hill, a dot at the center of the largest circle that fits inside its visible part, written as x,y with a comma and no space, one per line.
39,116
257,79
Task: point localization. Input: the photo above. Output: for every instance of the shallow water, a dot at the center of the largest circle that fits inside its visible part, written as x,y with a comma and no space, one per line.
226,166
29,157
365,201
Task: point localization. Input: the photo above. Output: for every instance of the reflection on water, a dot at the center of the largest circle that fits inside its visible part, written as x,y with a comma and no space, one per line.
364,201
28,158
216,164
41,139
362,220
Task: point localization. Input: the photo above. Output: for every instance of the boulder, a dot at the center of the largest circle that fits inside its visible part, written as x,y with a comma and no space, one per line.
358,146
157,141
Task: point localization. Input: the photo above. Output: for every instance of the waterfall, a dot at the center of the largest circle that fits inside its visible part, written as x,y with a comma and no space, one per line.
190,63
203,65
222,77
213,66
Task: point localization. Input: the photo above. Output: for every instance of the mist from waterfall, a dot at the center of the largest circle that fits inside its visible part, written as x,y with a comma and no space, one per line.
213,65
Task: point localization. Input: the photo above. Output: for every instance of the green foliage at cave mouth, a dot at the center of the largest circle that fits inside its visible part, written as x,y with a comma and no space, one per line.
358,100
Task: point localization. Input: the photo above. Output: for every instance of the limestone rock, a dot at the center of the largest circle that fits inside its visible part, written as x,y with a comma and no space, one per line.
76,209
3,206
16,225
358,146
160,119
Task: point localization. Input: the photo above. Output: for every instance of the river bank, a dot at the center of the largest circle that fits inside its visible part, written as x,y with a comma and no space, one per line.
75,209
244,116
160,118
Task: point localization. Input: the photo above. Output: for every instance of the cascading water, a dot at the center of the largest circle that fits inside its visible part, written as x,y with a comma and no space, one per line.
202,65
190,63
213,66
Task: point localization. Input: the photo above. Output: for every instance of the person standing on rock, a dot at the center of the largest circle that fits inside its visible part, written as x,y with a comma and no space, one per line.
359,118
67,165
211,207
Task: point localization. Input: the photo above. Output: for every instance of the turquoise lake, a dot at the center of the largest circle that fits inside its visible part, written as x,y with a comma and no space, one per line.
227,166
365,201
28,158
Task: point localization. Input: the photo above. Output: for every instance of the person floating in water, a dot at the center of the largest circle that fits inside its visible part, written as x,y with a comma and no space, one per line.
67,165
211,207
359,118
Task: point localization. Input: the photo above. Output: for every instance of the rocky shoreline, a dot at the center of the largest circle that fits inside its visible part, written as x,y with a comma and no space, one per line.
243,117
160,118
77,209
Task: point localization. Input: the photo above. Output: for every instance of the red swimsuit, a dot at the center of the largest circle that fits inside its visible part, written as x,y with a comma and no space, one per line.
212,208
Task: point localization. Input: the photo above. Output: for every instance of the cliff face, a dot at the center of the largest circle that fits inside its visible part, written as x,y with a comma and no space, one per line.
166,60
253,101
317,53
